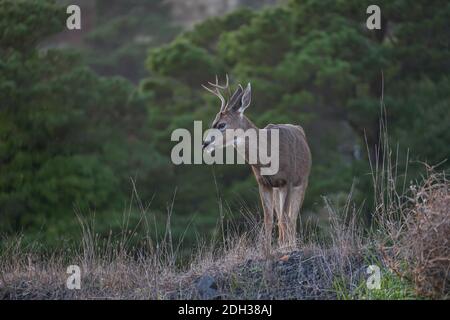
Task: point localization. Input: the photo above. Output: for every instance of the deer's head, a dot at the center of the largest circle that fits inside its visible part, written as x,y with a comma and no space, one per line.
230,116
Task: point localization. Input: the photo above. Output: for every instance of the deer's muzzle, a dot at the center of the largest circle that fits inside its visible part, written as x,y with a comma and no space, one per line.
207,142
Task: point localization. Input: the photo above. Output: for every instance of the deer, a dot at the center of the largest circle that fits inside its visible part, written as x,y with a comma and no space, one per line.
282,193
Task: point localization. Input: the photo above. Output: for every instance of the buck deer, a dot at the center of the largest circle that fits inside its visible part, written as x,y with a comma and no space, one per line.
283,192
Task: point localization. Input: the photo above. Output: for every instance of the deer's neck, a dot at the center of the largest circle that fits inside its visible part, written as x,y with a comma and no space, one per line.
246,124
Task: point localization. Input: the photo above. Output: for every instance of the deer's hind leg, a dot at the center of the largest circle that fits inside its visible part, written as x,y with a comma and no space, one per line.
296,196
281,204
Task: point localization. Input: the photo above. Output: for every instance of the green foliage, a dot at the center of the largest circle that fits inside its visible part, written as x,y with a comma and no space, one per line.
392,287
428,104
184,61
68,138
207,33
123,32
249,45
23,23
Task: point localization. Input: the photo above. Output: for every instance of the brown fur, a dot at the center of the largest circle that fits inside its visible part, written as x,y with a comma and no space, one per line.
282,193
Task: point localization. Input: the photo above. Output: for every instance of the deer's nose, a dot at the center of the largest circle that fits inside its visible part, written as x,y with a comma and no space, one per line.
207,142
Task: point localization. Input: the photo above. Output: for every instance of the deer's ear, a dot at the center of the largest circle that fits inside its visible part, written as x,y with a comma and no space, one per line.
235,100
246,98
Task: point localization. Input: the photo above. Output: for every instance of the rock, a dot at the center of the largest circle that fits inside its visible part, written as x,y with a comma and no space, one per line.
207,287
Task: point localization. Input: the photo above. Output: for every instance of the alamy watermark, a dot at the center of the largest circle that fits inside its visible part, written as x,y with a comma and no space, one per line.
374,20
374,279
73,22
254,146
74,280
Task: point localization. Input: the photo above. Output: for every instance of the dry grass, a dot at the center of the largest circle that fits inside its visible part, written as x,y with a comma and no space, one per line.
410,236
419,249
412,225
239,267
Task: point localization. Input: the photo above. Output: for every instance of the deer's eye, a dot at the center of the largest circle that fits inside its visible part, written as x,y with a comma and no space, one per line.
221,126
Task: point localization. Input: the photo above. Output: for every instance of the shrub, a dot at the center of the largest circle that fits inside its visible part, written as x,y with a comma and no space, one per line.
421,252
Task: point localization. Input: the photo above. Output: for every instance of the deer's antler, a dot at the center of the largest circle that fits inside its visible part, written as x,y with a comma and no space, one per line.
216,91
217,85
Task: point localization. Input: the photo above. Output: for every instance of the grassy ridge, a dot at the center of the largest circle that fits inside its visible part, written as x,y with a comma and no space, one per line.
239,268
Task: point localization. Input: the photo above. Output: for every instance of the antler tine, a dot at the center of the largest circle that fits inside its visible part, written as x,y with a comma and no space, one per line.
223,102
217,93
209,90
217,85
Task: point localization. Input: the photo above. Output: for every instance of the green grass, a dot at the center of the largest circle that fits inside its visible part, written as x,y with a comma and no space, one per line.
392,287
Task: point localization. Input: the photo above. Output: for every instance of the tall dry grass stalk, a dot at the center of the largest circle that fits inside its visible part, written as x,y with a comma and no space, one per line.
411,220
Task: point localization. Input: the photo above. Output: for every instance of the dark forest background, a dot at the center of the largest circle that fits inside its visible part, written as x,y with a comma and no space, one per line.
84,114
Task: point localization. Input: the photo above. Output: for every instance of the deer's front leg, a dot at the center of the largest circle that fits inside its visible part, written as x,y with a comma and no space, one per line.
267,204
